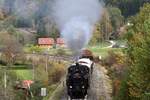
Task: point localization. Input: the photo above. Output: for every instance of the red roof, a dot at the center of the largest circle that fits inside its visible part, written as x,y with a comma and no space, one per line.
27,83
45,41
60,41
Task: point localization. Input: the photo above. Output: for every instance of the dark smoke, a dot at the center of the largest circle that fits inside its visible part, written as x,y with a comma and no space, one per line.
75,20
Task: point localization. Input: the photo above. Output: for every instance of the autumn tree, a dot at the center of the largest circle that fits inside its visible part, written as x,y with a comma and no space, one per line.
138,82
103,29
97,36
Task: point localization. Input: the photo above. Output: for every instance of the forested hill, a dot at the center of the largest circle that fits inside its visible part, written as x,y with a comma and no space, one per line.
127,7
36,14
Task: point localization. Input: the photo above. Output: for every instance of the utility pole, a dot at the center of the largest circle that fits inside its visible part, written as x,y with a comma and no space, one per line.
46,62
33,70
33,66
5,83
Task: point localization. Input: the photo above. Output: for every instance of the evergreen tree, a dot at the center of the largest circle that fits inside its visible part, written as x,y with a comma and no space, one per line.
127,7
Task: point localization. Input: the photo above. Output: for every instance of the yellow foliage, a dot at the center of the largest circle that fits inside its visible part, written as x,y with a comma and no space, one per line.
56,72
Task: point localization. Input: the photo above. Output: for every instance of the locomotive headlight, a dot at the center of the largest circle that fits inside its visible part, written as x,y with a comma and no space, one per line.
70,87
82,87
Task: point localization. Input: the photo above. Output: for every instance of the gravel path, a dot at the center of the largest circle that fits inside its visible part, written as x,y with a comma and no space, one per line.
100,85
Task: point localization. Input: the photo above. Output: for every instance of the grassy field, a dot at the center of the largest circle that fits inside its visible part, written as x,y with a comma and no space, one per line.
22,71
24,74
101,44
98,51
102,50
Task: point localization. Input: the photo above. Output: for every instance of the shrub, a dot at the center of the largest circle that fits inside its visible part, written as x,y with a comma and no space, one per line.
61,52
56,72
116,65
35,49
36,90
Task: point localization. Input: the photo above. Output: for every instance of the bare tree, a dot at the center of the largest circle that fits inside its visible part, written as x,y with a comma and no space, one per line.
10,47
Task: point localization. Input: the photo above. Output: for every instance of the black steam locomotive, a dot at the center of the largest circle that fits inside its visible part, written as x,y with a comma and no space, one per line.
78,78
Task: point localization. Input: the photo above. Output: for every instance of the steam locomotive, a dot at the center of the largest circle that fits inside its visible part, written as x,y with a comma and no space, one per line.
78,77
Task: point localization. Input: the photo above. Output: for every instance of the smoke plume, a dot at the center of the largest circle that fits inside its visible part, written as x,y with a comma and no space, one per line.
75,20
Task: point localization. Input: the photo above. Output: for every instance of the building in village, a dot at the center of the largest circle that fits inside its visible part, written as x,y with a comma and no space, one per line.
50,42
60,42
46,42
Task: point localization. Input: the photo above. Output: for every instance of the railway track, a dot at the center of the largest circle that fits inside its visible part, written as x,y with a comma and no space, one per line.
50,57
37,56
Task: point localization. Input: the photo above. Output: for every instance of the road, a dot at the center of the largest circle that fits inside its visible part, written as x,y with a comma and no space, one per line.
100,87
112,44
